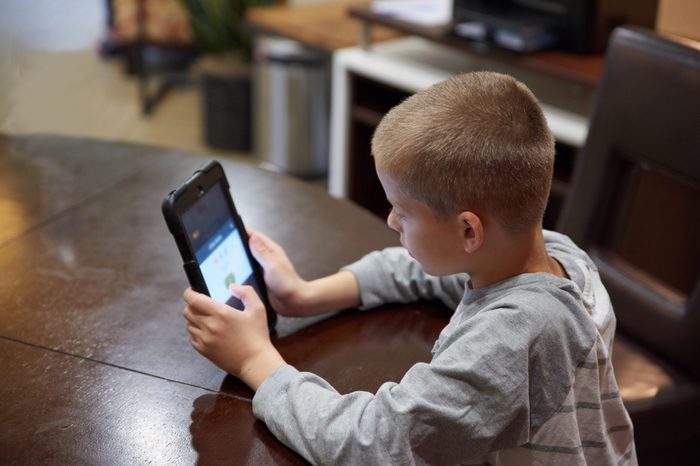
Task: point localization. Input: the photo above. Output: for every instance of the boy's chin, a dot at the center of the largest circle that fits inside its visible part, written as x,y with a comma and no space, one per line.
430,269
434,271
439,271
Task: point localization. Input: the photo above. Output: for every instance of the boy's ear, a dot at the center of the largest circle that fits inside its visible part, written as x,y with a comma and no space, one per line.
472,231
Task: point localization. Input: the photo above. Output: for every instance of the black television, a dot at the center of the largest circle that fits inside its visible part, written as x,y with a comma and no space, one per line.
580,26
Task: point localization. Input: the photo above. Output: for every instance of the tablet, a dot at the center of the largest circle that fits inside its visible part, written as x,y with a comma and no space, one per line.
212,239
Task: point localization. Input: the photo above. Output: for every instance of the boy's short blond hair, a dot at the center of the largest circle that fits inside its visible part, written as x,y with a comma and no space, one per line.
477,141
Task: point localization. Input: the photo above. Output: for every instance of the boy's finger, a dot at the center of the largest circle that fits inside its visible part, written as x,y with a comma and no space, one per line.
199,303
196,342
193,331
247,295
189,316
268,253
252,232
259,242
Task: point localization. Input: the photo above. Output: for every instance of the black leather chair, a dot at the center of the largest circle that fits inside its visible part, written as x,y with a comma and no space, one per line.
634,205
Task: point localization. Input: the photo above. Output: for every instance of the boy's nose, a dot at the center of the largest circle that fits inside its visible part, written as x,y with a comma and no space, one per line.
391,221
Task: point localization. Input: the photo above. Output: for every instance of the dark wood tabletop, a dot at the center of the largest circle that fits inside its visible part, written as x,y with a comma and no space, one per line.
95,364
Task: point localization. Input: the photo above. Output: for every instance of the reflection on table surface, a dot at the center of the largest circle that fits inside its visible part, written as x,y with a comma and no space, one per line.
96,364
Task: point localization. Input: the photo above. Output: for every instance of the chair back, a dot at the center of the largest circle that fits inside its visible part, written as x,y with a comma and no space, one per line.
634,204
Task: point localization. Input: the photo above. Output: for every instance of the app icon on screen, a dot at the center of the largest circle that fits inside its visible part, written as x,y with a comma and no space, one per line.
230,279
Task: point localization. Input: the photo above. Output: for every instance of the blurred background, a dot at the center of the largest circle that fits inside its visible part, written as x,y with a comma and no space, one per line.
55,78
137,71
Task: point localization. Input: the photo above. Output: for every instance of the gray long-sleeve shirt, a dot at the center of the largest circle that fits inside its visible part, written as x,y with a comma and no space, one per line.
520,374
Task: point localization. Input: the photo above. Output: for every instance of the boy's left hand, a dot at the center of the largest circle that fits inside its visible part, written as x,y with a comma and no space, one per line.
236,341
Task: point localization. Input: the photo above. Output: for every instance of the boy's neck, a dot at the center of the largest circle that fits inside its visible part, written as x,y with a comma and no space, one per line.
505,256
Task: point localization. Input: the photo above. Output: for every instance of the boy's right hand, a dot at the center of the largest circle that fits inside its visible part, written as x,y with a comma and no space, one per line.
289,294
285,288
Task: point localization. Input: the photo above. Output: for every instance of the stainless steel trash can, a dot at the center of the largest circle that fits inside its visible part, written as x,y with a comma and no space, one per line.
291,107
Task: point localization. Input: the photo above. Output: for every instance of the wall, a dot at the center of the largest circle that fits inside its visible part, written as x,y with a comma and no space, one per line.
679,17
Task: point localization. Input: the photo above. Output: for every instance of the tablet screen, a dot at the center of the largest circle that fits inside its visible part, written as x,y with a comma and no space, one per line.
218,246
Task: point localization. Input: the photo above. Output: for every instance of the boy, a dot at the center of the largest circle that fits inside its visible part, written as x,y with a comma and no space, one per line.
522,372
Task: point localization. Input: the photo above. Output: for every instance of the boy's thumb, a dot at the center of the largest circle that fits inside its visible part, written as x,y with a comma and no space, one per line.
248,296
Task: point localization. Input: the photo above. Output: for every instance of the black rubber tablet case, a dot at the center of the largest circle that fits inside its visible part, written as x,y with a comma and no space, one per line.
179,200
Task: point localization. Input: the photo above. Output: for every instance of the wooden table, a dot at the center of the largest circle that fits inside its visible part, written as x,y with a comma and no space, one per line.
95,365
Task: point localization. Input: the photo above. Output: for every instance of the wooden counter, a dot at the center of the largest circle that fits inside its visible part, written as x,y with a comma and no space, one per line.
326,26
584,69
